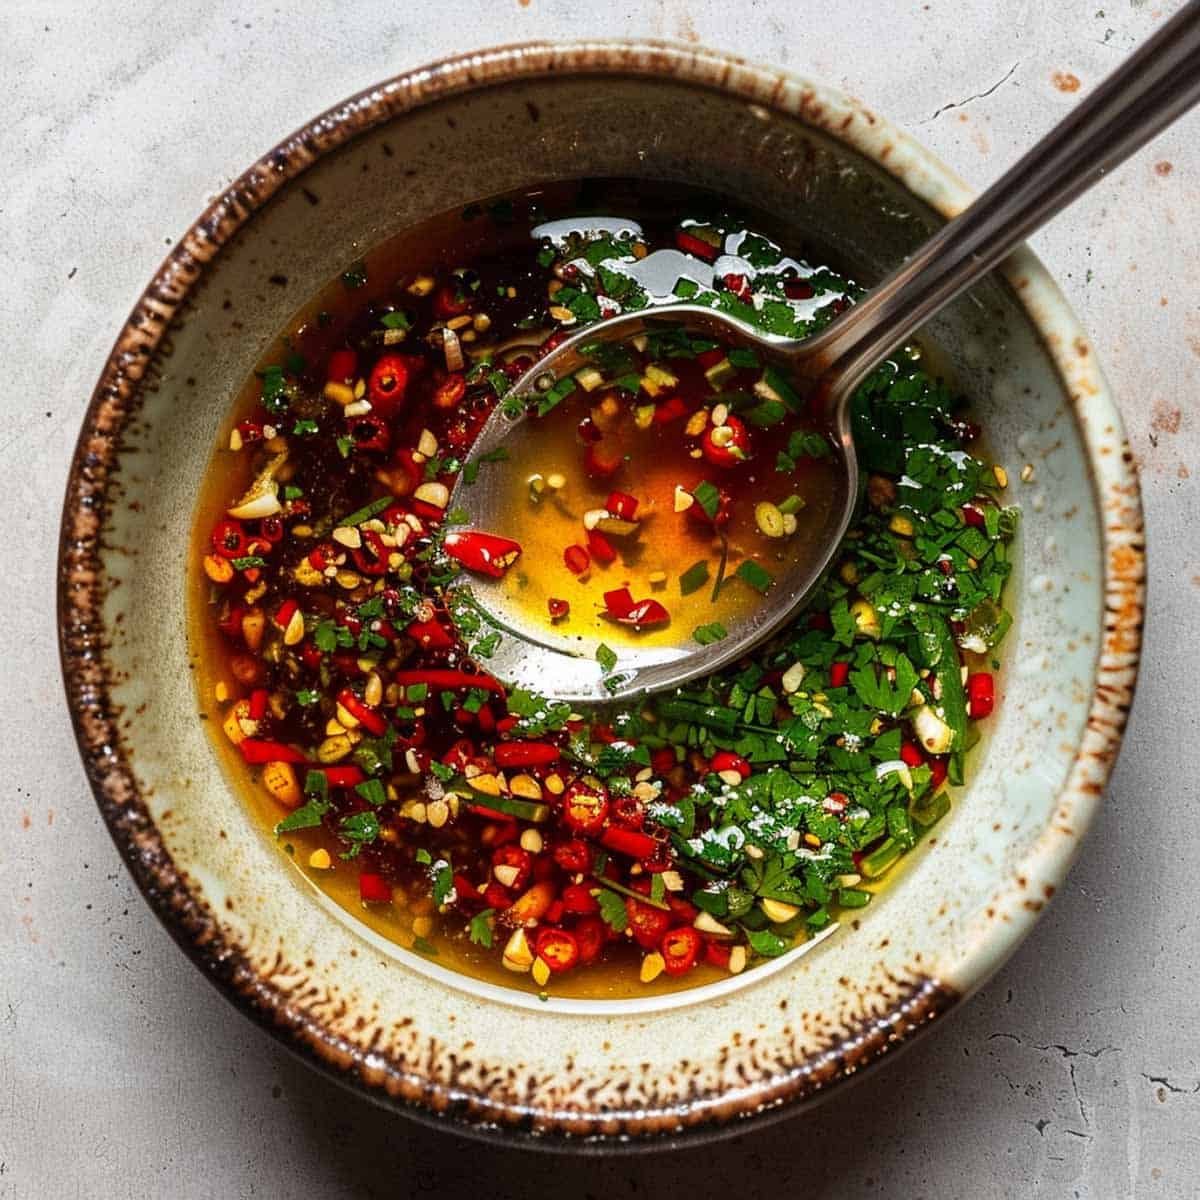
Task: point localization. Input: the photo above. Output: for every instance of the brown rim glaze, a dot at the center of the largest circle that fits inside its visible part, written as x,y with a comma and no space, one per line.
904,1006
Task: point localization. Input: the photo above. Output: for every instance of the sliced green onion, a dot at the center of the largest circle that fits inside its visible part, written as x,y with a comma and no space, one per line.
758,577
694,578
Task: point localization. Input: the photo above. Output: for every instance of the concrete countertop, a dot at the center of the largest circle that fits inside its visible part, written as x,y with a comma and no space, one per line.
1076,1072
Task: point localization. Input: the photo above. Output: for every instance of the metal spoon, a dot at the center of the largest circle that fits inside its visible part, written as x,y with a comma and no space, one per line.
1154,86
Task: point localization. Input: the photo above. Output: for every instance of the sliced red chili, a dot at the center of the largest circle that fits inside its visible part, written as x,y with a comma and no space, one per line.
258,704
388,383
464,889
526,754
646,923
373,888
737,285
372,557
717,954
939,768
344,776
628,811
578,898
558,608
972,515
623,505
231,623
602,461
250,431
449,301
448,680
600,548
577,559
372,721
261,750
798,289
618,603
430,512
710,358
681,910
628,841
662,761
370,432
585,808
449,393
271,529
645,613
573,856
558,949
839,672
730,453
229,538
590,935
516,861
726,760
459,754
690,244
430,635
981,694
911,755
343,366
680,947
670,410
487,553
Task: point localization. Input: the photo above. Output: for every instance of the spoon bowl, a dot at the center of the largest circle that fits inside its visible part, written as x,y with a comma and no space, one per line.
535,654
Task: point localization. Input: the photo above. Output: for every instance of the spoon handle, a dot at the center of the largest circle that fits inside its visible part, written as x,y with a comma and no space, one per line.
1157,83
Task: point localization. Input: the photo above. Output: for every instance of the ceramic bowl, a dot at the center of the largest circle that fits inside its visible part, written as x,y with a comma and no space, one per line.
395,1026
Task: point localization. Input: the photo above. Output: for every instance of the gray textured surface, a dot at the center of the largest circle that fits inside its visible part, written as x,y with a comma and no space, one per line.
1076,1072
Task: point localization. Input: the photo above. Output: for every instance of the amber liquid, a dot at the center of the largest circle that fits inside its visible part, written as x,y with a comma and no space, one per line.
650,562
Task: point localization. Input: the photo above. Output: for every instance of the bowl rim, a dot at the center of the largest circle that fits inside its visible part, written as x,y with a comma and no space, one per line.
81,586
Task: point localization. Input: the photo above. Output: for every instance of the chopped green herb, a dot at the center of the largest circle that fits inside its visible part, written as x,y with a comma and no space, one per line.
612,910
480,929
359,515
694,578
708,497
757,576
706,635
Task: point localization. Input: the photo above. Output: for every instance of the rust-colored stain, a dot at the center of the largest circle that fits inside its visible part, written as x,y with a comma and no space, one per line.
26,820
1065,81
1166,419
1163,168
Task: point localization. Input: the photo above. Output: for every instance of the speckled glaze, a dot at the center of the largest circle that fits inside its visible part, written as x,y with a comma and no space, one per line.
442,1047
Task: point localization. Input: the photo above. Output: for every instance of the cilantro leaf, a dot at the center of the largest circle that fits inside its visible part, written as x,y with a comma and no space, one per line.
612,910
480,930
766,943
